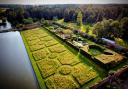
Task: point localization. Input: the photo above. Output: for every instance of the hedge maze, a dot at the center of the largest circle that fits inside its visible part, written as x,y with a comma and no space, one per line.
59,67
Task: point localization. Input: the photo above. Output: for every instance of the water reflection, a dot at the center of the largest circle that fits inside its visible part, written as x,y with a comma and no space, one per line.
6,26
15,68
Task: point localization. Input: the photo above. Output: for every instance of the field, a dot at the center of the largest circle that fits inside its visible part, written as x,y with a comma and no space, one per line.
56,67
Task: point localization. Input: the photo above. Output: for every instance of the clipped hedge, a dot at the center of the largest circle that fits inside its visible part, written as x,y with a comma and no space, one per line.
61,82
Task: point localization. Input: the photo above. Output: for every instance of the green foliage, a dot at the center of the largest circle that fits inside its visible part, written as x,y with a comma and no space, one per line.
111,28
46,23
40,54
83,74
31,38
47,67
36,47
28,21
116,30
66,69
36,70
57,65
61,82
42,20
95,51
124,27
61,21
55,18
121,42
124,23
57,48
107,28
33,42
46,38
87,28
51,43
98,29
68,58
79,18
52,55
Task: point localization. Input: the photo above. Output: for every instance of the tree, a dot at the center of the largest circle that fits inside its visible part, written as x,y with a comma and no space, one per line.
116,30
66,15
79,18
55,18
42,20
106,28
124,27
20,14
28,21
98,29
87,29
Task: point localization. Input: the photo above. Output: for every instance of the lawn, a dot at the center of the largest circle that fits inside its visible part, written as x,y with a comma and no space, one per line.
55,66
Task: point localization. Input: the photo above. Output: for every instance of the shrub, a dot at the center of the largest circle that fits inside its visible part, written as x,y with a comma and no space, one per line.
33,42
28,21
36,47
51,43
40,54
61,82
66,69
30,38
47,38
57,48
68,58
47,67
82,73
42,35
52,55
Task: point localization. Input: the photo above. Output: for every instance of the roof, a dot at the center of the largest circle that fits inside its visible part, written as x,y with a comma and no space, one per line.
109,41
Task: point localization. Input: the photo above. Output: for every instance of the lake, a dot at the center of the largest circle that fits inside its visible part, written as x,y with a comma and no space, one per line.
16,71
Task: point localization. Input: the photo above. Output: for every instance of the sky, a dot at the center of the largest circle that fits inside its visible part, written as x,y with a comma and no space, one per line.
38,2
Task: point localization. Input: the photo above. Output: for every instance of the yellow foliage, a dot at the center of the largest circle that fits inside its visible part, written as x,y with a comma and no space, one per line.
61,82
57,48
83,74
68,58
47,67
65,69
40,54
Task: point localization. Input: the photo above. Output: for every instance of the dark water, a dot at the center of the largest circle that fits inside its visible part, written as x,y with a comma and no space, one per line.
6,27
15,68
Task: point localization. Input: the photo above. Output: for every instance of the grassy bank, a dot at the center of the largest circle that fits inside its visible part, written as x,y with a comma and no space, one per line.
34,65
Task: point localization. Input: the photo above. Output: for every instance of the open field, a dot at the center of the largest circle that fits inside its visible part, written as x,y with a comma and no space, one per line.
55,65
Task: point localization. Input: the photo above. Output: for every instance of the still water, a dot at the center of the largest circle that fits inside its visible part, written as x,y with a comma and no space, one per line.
15,68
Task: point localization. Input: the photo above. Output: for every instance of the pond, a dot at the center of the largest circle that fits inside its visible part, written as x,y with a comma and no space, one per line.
6,27
95,50
15,68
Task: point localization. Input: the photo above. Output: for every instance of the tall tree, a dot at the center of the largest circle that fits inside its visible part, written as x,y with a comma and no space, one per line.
124,27
79,18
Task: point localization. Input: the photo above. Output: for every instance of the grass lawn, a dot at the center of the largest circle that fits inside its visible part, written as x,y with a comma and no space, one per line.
33,62
60,21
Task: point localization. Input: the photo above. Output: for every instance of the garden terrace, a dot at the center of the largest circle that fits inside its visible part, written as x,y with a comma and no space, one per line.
105,57
56,65
90,36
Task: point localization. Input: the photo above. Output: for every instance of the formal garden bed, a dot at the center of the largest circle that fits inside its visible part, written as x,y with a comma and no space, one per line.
57,67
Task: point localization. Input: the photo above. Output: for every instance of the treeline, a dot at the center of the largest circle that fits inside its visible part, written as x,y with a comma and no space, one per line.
112,29
91,13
